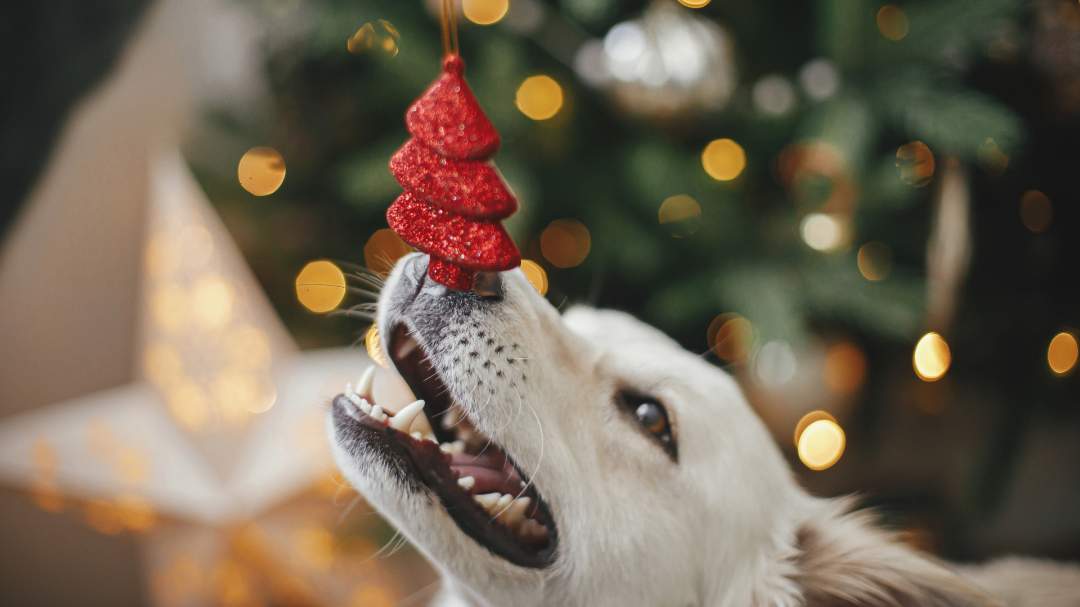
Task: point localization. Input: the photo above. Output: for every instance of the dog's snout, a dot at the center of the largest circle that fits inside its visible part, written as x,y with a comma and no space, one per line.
489,286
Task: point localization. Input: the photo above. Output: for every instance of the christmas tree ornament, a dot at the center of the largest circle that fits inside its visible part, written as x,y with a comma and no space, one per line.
454,197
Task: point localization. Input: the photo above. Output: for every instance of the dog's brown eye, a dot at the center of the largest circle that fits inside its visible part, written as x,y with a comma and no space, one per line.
651,416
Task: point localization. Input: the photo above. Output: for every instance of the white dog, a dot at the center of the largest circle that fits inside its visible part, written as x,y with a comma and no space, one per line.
587,459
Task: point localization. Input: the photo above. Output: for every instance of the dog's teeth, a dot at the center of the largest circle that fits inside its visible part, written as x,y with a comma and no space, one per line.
365,406
363,387
515,514
532,530
458,446
431,438
504,502
466,482
487,501
522,484
404,418
377,413
351,410
353,398
417,436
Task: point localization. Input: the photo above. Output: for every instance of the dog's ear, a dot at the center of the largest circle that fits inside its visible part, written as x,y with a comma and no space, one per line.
844,561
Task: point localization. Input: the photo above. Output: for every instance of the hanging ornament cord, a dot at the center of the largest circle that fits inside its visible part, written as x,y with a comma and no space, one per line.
449,28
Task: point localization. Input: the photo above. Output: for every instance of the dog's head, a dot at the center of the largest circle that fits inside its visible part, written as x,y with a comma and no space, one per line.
587,459
571,454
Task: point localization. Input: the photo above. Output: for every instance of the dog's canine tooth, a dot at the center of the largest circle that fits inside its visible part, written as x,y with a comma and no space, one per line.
515,514
504,502
487,501
377,413
466,482
404,418
363,387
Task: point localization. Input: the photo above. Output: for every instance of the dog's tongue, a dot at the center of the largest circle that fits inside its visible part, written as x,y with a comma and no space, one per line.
491,470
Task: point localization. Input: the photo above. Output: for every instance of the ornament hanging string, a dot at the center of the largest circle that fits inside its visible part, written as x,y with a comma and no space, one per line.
449,28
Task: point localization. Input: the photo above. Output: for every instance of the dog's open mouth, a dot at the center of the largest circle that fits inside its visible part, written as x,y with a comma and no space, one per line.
489,498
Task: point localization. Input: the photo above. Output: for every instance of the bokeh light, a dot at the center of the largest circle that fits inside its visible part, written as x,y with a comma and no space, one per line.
536,275
539,97
382,251
1062,353
565,243
820,440
261,171
723,159
932,357
212,301
844,368
775,363
695,3
188,404
380,36
729,337
680,215
320,286
874,260
892,22
484,12
915,161
1036,212
373,345
822,231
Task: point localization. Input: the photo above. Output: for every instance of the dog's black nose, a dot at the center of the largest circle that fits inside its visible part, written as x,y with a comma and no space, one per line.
489,286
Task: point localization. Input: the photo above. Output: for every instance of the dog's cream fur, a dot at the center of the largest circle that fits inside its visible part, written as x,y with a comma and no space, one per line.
725,525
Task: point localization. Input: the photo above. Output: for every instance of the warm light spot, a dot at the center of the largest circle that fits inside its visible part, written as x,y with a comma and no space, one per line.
539,97
892,22
168,307
874,260
131,465
46,495
565,243
261,171
212,301
775,363
382,251
135,513
1036,211
484,12
380,35
681,215
820,442
45,457
932,357
103,517
695,3
1062,353
844,368
238,392
373,345
232,585
188,405
372,596
729,337
162,364
320,286
822,231
316,546
536,275
723,159
915,162
248,347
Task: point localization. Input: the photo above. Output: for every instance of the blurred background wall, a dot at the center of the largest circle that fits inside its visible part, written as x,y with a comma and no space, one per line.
862,209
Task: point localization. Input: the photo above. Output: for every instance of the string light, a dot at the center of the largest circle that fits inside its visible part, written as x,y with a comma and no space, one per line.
932,357
874,261
1062,353
373,345
565,243
383,250
680,214
536,275
915,162
819,440
484,12
212,301
261,171
539,97
1036,211
723,159
695,3
822,231
320,286
892,22
729,337
844,368
380,35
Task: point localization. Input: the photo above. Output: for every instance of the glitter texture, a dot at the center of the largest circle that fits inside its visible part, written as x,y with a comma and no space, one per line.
454,197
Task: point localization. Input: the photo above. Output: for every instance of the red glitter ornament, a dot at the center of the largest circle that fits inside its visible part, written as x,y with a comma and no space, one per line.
454,197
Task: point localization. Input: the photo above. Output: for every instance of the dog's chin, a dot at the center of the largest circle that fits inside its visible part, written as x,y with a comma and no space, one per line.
439,452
